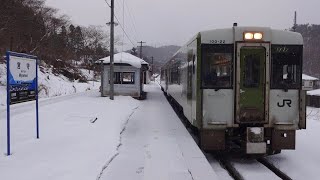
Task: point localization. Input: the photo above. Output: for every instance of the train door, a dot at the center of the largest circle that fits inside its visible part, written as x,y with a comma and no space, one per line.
251,83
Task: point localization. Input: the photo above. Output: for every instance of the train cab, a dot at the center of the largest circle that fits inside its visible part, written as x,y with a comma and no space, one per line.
244,86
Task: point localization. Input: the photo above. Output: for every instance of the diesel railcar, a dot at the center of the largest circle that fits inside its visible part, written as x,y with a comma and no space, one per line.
240,87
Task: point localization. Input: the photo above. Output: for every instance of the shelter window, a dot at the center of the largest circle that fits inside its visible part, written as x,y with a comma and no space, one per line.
117,78
217,66
128,78
310,83
124,77
286,67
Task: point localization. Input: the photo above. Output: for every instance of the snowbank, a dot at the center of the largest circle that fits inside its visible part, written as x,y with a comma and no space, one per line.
51,85
304,162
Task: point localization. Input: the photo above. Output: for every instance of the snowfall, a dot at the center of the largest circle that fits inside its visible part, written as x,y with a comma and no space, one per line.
84,136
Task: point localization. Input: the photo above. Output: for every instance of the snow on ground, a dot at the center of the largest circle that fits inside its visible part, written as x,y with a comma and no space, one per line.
70,146
156,146
89,74
130,140
304,162
51,85
221,172
250,169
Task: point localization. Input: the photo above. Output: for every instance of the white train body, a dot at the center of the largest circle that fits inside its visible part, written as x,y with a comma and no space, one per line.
231,82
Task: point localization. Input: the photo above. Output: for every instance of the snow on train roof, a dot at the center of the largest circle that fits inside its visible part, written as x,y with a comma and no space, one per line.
125,58
272,35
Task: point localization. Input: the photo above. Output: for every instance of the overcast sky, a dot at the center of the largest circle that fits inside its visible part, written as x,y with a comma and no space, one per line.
166,22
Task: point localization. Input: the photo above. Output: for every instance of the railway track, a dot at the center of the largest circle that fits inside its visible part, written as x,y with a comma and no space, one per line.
274,169
225,163
224,160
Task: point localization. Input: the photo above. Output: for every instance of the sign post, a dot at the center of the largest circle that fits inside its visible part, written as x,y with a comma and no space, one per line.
22,85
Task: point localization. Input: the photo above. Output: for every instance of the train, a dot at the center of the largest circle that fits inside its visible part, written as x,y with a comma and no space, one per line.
240,88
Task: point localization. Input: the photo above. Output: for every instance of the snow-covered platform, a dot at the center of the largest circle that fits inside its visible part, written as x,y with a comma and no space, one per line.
156,145
84,136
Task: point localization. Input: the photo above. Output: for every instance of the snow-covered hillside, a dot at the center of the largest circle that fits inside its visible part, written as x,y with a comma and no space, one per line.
51,85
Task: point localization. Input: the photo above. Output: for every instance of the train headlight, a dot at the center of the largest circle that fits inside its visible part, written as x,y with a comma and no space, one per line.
248,36
253,36
258,36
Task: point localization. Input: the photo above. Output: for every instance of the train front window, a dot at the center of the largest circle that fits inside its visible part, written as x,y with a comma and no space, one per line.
286,67
217,66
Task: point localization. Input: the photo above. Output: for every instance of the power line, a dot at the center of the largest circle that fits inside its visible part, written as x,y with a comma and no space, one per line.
126,26
133,19
121,26
107,3
129,26
124,30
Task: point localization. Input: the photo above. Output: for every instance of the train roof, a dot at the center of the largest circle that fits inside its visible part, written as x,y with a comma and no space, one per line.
270,35
274,36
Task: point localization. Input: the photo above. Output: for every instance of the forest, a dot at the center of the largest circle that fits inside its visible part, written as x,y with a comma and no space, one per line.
32,27
311,38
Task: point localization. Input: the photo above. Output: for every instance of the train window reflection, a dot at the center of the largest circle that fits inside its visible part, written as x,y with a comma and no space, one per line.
286,67
217,67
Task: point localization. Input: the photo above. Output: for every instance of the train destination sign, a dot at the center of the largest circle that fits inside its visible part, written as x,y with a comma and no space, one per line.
22,77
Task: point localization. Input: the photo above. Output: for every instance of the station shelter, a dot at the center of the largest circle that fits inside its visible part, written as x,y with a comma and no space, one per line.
129,75
313,98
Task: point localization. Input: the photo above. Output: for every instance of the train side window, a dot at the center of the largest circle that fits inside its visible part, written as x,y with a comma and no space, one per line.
175,73
217,66
286,67
193,64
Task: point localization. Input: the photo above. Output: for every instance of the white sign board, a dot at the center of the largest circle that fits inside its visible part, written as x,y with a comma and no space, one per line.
23,70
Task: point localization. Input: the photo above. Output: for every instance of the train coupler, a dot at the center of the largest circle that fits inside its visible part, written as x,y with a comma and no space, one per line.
255,141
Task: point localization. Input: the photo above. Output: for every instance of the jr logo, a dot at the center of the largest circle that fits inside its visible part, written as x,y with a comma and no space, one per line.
285,102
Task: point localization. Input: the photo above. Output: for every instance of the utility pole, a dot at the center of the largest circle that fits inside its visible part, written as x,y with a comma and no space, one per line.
295,22
112,51
102,83
141,42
